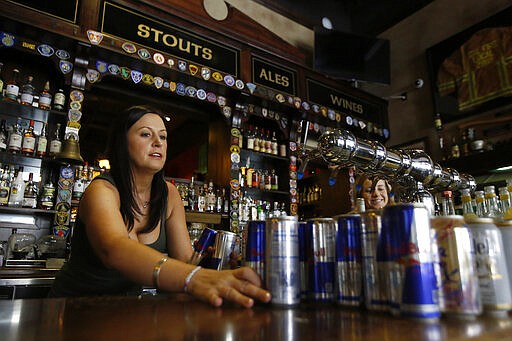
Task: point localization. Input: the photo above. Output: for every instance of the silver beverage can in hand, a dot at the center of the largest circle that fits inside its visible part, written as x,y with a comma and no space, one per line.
321,234
374,276
225,243
491,266
459,290
206,239
282,260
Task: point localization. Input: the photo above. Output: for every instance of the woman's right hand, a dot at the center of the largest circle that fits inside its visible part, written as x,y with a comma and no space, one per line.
240,286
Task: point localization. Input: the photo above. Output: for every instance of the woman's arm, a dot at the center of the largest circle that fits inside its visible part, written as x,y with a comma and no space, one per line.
178,238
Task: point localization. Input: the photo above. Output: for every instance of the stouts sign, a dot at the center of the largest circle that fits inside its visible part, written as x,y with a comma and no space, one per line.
274,76
135,27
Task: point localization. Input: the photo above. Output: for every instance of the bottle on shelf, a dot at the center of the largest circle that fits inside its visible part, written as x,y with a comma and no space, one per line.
256,140
268,142
17,189
455,151
481,210
12,89
447,203
438,122
211,199
45,97
263,141
220,200
201,199
27,91
28,143
467,204
16,137
59,100
491,202
250,138
55,143
78,185
42,142
1,81
504,202
4,135
273,144
46,200
5,186
192,195
30,196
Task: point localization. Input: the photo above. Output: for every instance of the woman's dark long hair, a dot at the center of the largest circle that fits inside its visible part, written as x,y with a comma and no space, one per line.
121,170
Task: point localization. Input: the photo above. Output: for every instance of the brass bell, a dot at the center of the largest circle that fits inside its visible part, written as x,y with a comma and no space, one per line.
70,151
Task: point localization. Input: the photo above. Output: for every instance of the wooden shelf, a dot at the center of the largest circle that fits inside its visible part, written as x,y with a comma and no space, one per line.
203,217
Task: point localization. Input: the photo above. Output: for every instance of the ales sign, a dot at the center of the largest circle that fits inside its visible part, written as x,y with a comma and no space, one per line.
274,76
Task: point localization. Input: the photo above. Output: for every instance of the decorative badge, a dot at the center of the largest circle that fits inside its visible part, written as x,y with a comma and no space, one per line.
193,69
159,82
8,39
221,100
251,87
136,76
66,172
190,91
331,114
217,76
180,89
101,66
226,111
144,54
338,117
323,111
64,195
65,66
201,94
235,157
129,47
182,65
95,38
75,105
229,80
76,96
306,106
92,75
171,62
362,125
385,132
172,86
211,97
205,73
234,184
296,102
114,69
316,108
166,85
148,79
280,98
45,50
62,54
239,84
61,231
348,120
264,112
159,58
74,115
355,122
125,72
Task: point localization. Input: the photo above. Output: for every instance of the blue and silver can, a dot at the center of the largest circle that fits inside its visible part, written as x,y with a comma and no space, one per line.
303,260
375,283
491,266
255,247
206,239
322,233
406,242
460,290
348,274
226,243
282,260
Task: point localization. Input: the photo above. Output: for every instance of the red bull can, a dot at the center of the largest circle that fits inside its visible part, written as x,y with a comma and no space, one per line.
303,260
206,239
405,242
460,290
491,266
225,243
374,275
348,274
322,233
282,260
255,247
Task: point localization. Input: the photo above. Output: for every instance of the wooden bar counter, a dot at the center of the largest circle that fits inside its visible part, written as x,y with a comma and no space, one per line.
179,317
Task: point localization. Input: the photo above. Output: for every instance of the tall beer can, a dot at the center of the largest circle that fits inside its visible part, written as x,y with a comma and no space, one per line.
304,245
491,265
460,290
506,234
348,260
406,240
322,233
374,276
282,260
255,247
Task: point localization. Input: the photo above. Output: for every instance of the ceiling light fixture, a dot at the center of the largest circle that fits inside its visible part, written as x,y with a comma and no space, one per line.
326,23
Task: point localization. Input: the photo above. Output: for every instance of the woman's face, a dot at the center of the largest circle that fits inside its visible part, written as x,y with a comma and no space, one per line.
375,197
147,143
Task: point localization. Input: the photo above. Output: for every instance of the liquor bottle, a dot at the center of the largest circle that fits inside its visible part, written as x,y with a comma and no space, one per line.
250,138
45,97
438,122
263,141
16,137
47,195
1,81
12,88
267,180
30,196
27,92
28,143
42,142
3,136
78,186
55,143
59,100
220,200
211,199
274,181
201,199
256,139
447,203
273,143
192,195
455,152
5,186
17,189
268,142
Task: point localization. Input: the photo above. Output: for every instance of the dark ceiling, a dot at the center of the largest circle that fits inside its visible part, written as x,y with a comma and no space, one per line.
366,17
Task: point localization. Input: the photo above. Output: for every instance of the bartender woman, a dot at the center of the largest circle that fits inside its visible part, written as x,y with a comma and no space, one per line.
131,231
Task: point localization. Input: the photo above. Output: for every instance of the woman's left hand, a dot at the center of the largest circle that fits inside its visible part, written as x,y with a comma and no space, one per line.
240,286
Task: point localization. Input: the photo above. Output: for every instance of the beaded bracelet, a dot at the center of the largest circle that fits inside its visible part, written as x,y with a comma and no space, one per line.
156,271
189,277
